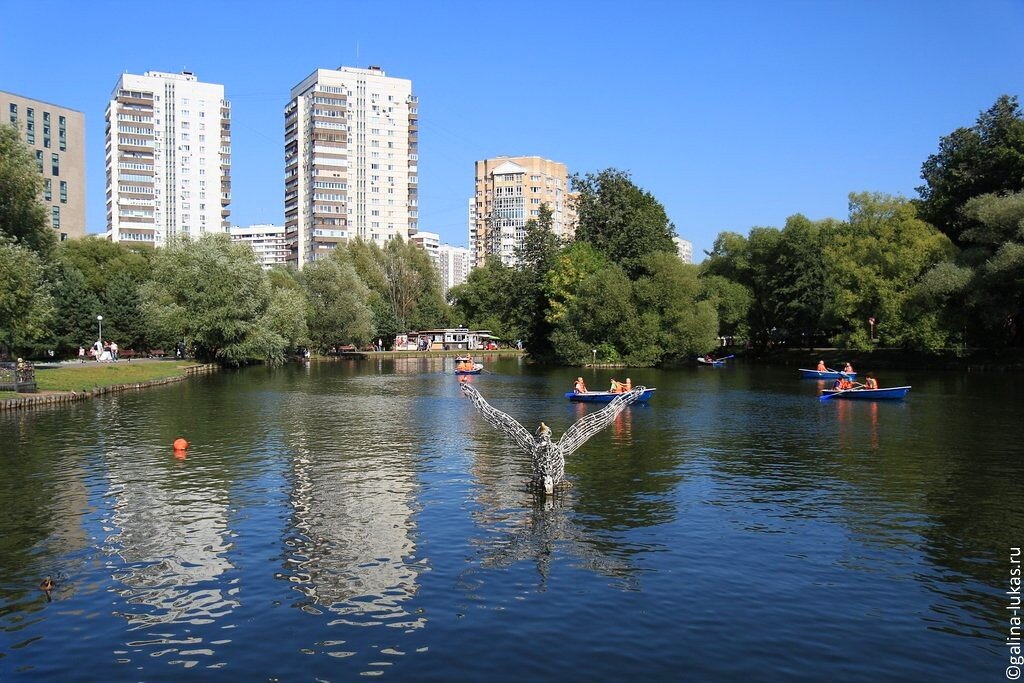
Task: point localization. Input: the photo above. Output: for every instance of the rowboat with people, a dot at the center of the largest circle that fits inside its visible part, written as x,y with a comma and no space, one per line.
863,394
606,396
708,360
466,366
826,374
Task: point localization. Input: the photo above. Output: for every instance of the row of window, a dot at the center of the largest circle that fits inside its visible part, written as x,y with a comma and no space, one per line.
30,126
48,190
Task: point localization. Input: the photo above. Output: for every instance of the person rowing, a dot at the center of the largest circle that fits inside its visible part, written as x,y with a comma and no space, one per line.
821,366
580,387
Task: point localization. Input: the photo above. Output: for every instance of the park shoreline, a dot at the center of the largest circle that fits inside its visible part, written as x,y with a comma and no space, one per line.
50,398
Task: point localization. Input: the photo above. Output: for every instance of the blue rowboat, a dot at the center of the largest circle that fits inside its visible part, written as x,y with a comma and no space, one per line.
705,361
823,374
889,393
605,396
477,369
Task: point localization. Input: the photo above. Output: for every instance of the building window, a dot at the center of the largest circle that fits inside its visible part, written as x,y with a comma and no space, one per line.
55,216
55,164
39,160
48,189
14,113
63,192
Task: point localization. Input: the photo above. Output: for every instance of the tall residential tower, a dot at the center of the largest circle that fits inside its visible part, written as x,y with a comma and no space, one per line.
509,192
56,135
351,160
168,158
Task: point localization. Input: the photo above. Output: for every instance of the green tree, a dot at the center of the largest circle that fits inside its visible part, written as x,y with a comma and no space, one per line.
75,311
669,295
23,217
534,258
484,301
212,294
338,310
986,158
624,222
124,320
26,307
100,261
875,263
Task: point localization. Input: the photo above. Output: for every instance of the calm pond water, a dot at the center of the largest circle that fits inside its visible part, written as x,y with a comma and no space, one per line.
357,518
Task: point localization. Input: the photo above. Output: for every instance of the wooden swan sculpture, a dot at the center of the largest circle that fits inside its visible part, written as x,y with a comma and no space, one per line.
549,456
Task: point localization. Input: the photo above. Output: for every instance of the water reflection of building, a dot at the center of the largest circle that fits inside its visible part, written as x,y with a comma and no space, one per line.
350,546
171,538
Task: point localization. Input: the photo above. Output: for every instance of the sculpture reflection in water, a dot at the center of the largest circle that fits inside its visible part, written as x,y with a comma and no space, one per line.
541,533
549,456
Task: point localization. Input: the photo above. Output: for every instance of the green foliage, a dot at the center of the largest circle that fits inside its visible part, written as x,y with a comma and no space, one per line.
986,158
123,318
23,217
214,295
26,307
485,302
875,263
622,221
74,321
100,261
338,313
668,298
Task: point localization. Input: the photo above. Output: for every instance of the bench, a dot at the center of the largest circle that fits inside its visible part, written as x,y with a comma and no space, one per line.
127,353
157,353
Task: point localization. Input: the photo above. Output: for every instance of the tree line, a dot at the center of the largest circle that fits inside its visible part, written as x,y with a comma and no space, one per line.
940,272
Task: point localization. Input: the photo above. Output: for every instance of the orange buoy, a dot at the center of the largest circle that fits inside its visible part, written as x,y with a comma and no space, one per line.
180,444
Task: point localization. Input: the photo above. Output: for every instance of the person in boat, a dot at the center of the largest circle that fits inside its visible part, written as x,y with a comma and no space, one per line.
580,387
617,387
709,358
848,369
871,382
628,386
821,366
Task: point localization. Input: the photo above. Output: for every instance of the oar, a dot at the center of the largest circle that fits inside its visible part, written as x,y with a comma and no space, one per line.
726,357
825,397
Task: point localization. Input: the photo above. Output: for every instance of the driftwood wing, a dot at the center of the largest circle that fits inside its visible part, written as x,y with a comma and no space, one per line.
591,424
499,420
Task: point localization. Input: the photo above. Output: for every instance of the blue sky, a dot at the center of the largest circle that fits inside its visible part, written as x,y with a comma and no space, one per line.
733,114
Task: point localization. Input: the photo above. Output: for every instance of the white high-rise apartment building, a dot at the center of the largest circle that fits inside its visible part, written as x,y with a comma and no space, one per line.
684,248
454,264
267,242
428,242
168,158
351,160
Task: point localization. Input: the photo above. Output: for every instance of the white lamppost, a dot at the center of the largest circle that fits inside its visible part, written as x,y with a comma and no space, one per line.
594,351
99,319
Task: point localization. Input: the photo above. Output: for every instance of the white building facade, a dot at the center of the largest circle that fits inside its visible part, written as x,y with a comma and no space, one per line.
168,158
684,248
267,241
454,264
351,160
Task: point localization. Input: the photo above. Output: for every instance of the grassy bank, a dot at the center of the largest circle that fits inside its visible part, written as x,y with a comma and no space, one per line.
89,376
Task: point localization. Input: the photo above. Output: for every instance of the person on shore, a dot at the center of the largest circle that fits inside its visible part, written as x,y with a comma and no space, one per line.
821,366
81,353
113,351
580,387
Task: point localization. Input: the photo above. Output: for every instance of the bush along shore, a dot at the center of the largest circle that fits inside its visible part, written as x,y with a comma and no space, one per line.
78,382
